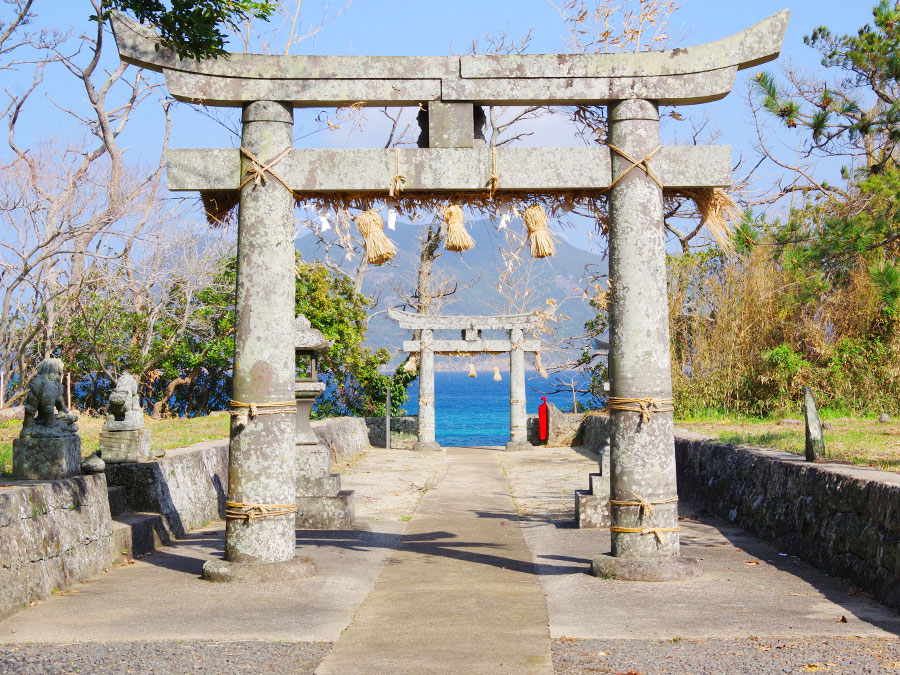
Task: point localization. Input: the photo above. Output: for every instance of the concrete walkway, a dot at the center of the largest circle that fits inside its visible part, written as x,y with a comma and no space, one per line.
483,574
460,593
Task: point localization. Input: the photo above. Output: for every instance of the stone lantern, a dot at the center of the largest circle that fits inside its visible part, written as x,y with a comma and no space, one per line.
321,504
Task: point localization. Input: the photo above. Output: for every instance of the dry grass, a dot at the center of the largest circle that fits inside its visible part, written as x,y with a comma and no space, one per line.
865,442
168,434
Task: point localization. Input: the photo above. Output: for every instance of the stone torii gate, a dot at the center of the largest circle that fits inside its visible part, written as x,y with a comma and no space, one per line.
471,342
633,170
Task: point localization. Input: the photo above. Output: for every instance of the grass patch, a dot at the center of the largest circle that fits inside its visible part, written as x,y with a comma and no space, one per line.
857,440
167,434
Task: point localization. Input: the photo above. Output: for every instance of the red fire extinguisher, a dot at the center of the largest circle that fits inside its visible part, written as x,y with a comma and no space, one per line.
542,419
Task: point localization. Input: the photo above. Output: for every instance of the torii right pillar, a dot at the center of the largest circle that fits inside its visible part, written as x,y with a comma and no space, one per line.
643,490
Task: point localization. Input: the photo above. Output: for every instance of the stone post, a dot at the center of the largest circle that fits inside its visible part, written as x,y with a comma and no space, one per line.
426,442
262,466
518,433
642,450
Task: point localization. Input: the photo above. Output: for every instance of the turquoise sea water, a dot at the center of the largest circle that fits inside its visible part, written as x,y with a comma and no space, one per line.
475,410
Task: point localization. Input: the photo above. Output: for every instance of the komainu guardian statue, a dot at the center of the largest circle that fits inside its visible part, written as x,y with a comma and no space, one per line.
49,447
123,438
46,414
125,413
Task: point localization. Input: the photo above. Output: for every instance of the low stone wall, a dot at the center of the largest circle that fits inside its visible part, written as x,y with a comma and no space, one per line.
589,430
188,486
52,534
344,436
594,432
843,519
404,431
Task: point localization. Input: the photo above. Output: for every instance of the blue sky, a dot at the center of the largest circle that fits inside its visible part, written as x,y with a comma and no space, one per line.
437,27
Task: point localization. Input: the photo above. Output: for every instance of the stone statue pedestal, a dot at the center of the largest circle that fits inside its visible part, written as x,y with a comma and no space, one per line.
127,446
47,458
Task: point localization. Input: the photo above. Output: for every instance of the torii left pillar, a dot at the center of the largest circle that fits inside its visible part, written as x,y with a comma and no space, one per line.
263,468
518,433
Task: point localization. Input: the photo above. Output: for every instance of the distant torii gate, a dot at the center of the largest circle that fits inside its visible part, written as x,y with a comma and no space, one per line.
471,342
267,174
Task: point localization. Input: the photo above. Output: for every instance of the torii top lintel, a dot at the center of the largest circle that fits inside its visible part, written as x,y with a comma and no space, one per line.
474,322
681,76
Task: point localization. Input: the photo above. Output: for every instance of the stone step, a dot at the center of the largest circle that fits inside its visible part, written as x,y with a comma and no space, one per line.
138,533
116,494
599,485
321,486
326,513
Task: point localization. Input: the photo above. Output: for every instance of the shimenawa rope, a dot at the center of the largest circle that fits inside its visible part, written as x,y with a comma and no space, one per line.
258,169
244,412
645,505
250,511
494,182
399,179
644,406
657,531
642,164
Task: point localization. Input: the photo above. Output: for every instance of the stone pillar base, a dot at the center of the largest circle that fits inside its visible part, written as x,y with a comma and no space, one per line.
223,571
426,446
333,512
676,568
51,458
128,446
516,446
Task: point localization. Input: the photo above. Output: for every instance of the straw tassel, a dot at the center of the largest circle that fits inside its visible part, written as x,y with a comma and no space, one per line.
717,209
472,372
497,376
410,365
458,238
540,365
538,235
379,248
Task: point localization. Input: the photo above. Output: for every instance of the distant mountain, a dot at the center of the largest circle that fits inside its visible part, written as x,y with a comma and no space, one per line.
477,273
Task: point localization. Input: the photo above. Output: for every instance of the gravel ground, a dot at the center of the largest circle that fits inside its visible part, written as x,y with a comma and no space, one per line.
757,656
164,657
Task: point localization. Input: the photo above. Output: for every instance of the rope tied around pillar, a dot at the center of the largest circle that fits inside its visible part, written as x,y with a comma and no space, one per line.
517,400
642,164
645,505
244,412
644,406
258,169
399,179
250,511
658,532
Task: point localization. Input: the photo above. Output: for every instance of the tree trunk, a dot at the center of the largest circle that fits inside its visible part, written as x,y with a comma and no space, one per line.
170,390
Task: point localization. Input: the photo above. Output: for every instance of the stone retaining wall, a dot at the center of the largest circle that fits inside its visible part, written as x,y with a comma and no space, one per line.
843,519
52,534
344,436
187,486
404,431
